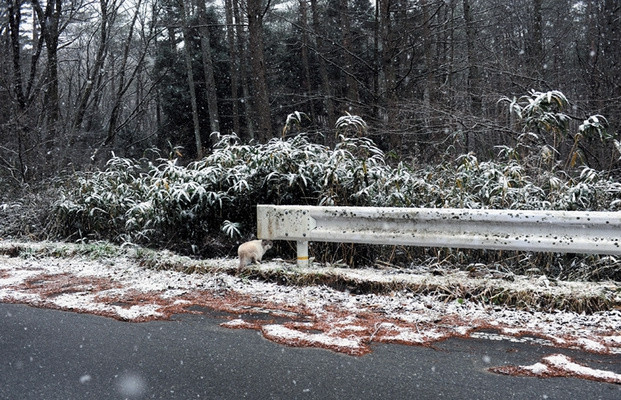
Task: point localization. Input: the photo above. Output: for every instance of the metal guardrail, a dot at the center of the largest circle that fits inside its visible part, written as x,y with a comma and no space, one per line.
542,231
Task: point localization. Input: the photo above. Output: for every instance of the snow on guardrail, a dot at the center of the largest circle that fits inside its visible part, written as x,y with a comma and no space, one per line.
541,231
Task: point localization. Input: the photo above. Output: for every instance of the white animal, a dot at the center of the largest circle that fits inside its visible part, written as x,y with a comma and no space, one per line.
252,251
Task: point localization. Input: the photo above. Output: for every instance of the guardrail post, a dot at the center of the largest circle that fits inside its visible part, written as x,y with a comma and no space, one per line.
302,248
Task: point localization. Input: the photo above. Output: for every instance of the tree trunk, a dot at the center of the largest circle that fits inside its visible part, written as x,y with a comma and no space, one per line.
52,96
387,81
387,68
15,16
351,86
323,69
50,30
256,11
234,64
473,72
210,82
428,54
305,61
243,71
187,52
387,49
536,53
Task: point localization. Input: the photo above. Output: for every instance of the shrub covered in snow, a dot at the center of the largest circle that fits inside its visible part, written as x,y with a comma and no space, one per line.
144,201
158,202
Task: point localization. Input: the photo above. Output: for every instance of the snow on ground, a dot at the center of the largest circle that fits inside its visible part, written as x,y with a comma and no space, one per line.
313,316
558,365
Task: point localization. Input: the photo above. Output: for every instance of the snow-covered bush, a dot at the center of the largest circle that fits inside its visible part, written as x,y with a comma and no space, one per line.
143,201
163,202
546,128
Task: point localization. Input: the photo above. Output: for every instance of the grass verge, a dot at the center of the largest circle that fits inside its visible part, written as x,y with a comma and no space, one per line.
533,293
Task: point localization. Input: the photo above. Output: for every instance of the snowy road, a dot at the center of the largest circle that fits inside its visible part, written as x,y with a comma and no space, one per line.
49,354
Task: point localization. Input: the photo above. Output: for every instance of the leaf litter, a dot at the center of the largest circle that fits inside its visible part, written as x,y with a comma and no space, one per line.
129,287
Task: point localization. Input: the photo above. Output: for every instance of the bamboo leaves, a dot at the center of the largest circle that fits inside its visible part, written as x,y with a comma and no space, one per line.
154,202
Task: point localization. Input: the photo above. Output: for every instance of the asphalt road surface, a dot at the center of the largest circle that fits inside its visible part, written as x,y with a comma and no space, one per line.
47,355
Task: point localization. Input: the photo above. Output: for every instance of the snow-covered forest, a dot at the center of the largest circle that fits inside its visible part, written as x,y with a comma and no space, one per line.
82,78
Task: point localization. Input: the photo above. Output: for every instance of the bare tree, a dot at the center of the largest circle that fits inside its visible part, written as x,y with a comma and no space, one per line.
108,9
124,81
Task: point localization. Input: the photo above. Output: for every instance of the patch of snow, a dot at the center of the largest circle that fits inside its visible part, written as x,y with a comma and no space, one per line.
537,368
237,323
409,336
136,312
512,331
292,336
462,330
591,345
565,363
15,277
560,365
612,340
